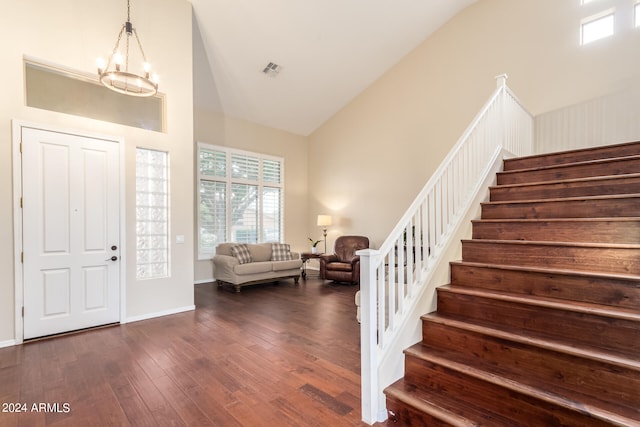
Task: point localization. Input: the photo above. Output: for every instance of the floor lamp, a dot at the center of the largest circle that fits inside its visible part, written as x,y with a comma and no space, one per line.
324,221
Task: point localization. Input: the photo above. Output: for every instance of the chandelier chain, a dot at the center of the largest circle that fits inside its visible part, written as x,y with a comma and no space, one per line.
126,60
115,48
144,57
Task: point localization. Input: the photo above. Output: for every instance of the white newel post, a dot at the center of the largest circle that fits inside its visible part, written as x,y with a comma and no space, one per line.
501,80
373,408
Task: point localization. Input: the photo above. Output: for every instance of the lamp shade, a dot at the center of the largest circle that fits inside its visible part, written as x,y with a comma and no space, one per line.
324,220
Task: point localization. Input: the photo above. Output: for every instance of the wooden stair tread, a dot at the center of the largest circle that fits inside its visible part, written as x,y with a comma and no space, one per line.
551,345
563,283
564,199
534,220
478,369
550,243
451,411
553,303
555,271
586,153
588,179
442,409
572,164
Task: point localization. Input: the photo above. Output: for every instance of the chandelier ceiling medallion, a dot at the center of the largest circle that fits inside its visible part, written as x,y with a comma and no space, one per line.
117,75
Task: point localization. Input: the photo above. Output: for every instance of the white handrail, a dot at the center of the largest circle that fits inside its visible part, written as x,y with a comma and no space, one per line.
393,277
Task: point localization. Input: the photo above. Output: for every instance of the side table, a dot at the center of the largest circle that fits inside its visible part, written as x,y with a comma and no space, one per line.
306,256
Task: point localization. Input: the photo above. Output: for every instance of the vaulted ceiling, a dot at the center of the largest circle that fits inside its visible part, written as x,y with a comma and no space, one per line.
328,51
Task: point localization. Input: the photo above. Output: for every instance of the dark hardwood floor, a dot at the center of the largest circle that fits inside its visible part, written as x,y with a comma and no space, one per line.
282,355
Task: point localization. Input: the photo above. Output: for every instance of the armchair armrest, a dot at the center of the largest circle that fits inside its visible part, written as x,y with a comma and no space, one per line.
329,258
324,259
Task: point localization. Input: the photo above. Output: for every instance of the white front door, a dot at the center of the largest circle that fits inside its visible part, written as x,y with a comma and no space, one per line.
70,232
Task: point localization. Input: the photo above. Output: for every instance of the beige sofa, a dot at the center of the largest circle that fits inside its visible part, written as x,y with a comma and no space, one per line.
267,262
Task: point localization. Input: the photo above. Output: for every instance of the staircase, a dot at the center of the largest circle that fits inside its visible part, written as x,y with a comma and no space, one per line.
540,325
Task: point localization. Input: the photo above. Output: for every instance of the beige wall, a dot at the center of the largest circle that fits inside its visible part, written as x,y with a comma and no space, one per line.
73,34
368,162
215,128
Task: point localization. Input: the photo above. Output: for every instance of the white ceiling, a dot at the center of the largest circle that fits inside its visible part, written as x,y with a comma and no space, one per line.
328,50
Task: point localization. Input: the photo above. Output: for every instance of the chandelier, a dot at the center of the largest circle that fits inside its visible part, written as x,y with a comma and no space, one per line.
116,74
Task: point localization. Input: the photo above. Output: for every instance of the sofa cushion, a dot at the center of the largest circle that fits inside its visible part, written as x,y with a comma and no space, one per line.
253,268
241,252
287,265
280,252
260,252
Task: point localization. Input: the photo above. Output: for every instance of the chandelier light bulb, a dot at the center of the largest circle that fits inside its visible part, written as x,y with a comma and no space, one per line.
101,64
147,67
117,58
155,79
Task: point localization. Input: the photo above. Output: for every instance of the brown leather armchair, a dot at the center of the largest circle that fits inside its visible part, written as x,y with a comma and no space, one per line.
344,264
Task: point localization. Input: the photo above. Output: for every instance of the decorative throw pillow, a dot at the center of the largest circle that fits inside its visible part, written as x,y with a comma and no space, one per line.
241,252
280,252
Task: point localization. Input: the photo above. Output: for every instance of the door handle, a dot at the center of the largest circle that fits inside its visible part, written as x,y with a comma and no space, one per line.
113,258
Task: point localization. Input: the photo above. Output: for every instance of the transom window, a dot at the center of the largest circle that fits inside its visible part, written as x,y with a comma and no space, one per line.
70,92
240,198
597,27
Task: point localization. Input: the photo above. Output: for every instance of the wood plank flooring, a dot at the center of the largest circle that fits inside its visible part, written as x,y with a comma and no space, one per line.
282,355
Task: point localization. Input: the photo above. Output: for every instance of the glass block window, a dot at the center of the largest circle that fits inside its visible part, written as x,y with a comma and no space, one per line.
152,214
240,198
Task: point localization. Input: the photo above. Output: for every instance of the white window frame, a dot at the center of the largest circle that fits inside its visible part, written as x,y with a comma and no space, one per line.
596,18
228,180
636,14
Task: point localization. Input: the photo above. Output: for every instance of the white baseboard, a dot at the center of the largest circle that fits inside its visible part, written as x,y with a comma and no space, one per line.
161,313
200,282
7,343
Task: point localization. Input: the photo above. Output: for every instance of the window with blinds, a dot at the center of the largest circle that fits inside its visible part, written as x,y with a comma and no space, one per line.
240,198
152,214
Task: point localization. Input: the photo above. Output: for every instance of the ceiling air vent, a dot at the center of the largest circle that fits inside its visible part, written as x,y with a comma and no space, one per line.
272,69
